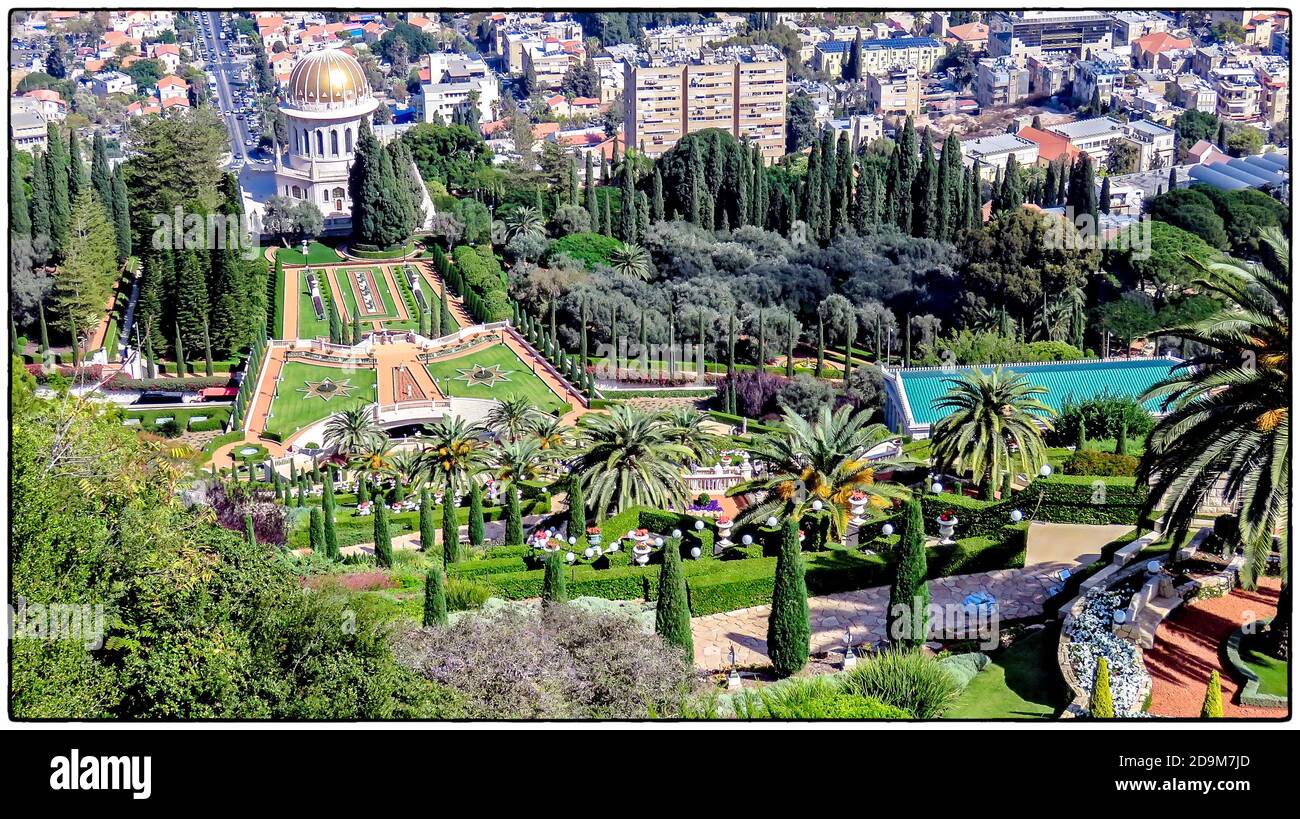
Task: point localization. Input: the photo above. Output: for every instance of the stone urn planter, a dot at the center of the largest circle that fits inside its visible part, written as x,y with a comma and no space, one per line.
724,531
857,505
641,553
947,525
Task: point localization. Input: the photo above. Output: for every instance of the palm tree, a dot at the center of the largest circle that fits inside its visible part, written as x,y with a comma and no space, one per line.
994,427
375,462
520,460
408,466
511,418
824,461
354,430
525,221
632,261
687,426
454,453
628,459
551,433
1227,424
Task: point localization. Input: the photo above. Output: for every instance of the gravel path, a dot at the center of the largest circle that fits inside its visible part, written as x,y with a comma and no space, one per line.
1189,645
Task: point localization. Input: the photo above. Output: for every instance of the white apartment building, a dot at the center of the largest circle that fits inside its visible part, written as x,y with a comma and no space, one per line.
989,154
456,81
1238,91
1155,144
896,92
1024,34
881,56
686,38
111,82
1092,136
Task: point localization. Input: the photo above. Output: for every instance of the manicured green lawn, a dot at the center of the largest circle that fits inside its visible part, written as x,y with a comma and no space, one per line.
293,410
387,306
1270,670
1021,682
308,325
520,379
317,253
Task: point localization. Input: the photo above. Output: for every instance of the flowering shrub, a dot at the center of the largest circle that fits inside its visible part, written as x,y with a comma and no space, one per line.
1091,637
563,663
90,372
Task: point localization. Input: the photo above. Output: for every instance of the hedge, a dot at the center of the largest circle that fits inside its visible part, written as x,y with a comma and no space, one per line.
352,530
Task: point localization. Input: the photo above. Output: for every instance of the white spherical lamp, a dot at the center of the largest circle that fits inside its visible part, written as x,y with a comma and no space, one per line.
747,539
570,557
659,541
677,533
1017,516
699,526
695,552
936,487
887,529
771,522
573,541
817,506
589,553
1045,470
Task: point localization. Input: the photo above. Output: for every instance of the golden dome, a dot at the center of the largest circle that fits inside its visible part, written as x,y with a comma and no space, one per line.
327,79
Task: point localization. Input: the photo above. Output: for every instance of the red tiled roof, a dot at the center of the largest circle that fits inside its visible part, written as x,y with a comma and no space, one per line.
1158,42
1051,147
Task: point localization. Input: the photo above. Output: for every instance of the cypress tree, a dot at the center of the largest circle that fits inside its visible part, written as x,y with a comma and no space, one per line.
1082,438
1013,197
909,597
788,629
925,192
606,220
948,205
627,210
178,353
78,181
316,533
207,350
56,172
821,346
40,204
1213,706
45,331
363,490
250,533
1173,177
20,218
149,356
1121,439
1100,704
1049,186
475,513
101,178
450,528
383,540
554,587
426,521
657,201
514,517
577,522
790,333
762,346
435,598
327,512
642,216
121,215
1103,198
672,609
848,354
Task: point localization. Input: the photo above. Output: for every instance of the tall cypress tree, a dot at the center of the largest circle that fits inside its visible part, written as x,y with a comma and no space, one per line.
178,353
627,210
577,519
788,629
1100,703
514,517
950,189
657,201
191,297
121,214
383,539
426,521
56,171
554,588
435,598
45,330
925,191
78,180
909,597
101,178
672,609
40,205
475,513
316,532
250,533
450,528
327,512
20,218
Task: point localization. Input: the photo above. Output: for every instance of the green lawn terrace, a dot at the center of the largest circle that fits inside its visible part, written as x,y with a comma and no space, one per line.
317,253
310,325
912,393
383,307
493,372
308,393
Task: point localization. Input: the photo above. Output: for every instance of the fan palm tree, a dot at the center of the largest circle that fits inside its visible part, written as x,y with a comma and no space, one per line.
1227,424
824,461
354,430
375,462
631,260
525,221
511,418
455,452
551,433
995,425
687,426
628,459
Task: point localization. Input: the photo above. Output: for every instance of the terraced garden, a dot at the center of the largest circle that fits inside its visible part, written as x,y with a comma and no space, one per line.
494,372
306,398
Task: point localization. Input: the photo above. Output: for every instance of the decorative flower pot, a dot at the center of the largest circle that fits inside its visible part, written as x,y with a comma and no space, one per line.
724,531
857,505
946,529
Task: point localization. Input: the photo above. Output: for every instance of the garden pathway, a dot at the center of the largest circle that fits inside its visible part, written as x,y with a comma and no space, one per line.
1020,594
1189,645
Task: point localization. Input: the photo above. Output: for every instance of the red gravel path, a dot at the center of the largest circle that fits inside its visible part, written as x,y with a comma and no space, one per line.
1189,646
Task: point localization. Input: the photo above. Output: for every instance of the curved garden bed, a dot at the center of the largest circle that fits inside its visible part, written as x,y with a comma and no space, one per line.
1265,676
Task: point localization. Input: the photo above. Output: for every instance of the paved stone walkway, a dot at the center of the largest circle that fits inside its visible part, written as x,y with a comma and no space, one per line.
1020,593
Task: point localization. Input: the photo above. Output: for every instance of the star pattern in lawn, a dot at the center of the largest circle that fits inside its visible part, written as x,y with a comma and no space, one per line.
326,388
484,376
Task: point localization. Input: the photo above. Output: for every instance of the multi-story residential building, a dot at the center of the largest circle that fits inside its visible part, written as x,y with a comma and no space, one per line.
611,76
1095,76
550,60
1092,136
973,35
1147,49
1195,94
1238,91
740,90
989,154
897,93
830,56
513,43
1131,25
1024,34
1273,75
49,103
1000,81
882,56
670,39
1155,144
171,88
863,129
454,82
1049,75
27,128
